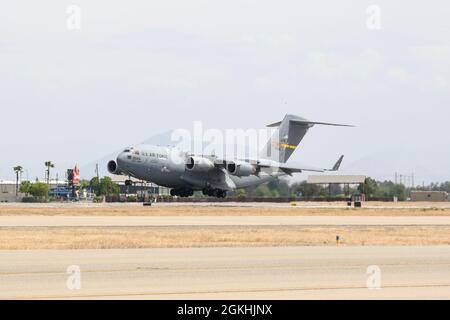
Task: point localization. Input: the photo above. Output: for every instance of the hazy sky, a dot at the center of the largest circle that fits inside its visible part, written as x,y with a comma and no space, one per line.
139,68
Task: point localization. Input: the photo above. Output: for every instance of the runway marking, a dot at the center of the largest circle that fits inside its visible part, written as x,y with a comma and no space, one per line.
255,268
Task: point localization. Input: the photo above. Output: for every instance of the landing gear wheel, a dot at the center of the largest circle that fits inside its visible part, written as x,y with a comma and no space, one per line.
221,193
182,192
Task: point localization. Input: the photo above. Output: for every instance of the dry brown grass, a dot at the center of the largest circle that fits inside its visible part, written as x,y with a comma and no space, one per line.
153,237
108,238
187,210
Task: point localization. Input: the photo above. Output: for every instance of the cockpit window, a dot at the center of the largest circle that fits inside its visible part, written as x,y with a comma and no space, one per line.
128,150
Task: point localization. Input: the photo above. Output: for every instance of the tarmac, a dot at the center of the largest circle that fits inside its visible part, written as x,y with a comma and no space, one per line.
228,273
298,205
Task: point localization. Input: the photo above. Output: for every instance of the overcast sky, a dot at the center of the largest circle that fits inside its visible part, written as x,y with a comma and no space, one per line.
139,68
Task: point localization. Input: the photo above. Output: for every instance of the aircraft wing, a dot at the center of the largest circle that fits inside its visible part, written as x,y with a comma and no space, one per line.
290,168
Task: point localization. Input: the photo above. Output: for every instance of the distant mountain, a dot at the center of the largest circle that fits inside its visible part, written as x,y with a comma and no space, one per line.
429,165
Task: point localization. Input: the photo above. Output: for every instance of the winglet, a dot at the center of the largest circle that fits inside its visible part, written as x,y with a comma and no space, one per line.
337,164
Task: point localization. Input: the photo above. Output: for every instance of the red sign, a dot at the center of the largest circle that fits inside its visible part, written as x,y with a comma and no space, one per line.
76,175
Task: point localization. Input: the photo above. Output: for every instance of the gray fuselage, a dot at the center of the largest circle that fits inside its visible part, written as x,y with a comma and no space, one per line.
166,166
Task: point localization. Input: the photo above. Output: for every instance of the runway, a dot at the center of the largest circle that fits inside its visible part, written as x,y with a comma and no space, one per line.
298,205
156,221
229,273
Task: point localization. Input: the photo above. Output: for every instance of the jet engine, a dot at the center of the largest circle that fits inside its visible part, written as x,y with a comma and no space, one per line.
199,164
113,168
240,168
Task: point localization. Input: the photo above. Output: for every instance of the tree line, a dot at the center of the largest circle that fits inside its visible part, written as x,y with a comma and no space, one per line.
372,188
39,191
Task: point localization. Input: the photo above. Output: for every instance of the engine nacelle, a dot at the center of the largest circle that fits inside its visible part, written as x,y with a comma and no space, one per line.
240,168
113,168
199,164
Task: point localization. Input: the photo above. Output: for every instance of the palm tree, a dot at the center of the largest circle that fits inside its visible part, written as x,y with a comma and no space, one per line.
18,170
48,165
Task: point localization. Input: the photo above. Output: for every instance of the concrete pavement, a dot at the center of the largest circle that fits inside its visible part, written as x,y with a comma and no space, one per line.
229,273
298,205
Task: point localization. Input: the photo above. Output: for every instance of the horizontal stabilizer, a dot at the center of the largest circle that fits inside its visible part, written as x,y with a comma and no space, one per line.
311,123
322,123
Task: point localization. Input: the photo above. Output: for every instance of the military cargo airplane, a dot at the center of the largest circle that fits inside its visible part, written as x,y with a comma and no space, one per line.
185,173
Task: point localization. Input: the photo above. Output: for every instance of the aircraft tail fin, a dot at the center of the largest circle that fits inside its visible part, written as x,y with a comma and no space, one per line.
288,135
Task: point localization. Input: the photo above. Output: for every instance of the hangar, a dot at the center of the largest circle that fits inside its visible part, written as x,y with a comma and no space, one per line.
336,179
345,180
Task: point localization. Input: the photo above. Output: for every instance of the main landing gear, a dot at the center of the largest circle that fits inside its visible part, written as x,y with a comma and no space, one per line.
214,192
206,191
181,192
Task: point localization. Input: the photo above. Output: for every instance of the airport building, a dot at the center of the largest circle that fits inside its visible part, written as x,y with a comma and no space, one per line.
429,196
60,189
138,187
8,192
